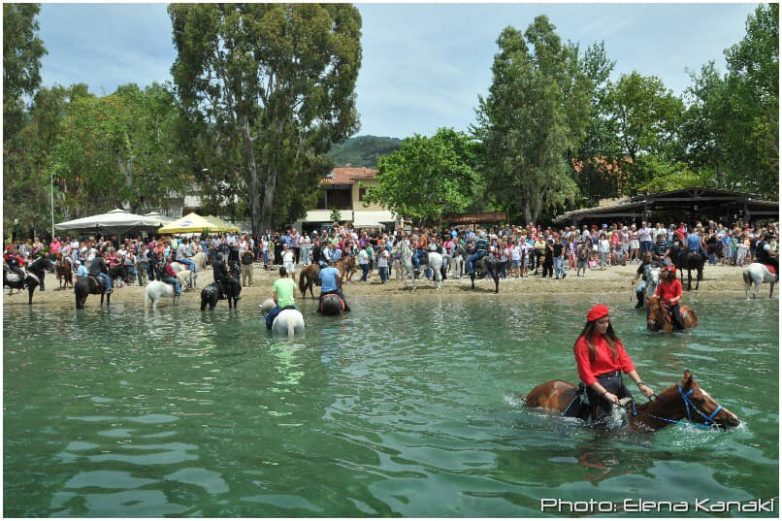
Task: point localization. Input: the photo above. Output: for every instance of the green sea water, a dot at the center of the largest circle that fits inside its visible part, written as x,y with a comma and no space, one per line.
406,407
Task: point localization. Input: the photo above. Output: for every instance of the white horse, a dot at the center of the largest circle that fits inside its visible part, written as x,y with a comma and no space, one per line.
757,273
156,290
186,277
436,263
200,260
407,268
289,322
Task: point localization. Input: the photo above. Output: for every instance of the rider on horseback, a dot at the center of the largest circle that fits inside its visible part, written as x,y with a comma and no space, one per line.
643,272
601,359
14,261
81,271
228,286
765,255
694,243
331,282
421,248
168,275
670,293
481,247
283,294
99,270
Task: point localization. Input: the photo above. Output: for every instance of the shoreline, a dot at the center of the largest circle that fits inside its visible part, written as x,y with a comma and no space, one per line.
616,280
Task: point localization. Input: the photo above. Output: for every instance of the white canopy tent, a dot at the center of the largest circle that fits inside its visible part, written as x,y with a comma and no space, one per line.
159,218
115,221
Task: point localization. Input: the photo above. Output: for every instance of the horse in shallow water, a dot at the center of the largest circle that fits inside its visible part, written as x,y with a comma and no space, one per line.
34,276
288,323
308,278
685,259
89,286
491,265
212,293
658,318
331,304
757,273
156,290
685,400
435,261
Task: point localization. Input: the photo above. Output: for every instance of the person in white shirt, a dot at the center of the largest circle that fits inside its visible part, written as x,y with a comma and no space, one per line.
289,261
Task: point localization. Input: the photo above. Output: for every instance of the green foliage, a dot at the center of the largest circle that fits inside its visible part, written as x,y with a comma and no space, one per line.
267,89
645,115
663,176
535,115
427,177
363,150
22,52
118,149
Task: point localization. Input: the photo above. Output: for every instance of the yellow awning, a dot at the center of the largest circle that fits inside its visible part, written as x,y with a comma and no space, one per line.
194,223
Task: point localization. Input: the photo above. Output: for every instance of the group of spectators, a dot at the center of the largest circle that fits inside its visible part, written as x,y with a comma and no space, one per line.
530,249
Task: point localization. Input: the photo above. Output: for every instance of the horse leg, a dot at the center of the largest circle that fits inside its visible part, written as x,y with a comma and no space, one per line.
496,277
30,292
771,291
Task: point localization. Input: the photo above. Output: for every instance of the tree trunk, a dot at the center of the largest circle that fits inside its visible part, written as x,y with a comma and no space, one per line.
250,157
268,198
527,212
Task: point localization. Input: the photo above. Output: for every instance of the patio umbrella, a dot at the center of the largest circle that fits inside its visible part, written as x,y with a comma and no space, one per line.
115,221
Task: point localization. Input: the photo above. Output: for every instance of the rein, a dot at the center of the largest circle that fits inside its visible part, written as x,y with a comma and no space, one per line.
708,419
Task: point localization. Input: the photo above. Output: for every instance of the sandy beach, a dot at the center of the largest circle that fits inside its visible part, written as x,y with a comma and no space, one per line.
719,279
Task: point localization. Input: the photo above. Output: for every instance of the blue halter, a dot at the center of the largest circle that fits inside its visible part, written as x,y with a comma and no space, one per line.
708,419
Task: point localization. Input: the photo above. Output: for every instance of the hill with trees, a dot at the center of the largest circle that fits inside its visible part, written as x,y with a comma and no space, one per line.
363,150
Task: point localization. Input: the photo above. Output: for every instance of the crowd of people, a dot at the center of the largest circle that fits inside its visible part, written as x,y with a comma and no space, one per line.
529,250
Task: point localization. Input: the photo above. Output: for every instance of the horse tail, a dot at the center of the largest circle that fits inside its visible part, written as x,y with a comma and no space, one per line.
291,328
146,297
303,282
747,278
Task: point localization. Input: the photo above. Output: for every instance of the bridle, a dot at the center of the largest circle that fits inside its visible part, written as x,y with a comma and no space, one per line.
689,409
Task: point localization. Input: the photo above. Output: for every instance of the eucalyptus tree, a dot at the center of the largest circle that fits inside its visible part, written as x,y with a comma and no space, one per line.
427,178
532,120
268,88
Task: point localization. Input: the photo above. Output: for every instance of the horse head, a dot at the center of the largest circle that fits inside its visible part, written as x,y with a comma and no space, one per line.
655,313
688,400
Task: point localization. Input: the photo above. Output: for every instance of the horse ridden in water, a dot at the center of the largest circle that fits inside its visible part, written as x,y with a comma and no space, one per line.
156,290
89,286
289,322
491,265
685,400
34,276
685,259
756,274
659,319
331,304
213,292
64,266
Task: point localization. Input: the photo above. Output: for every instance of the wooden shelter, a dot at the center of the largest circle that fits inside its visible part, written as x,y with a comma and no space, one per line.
685,205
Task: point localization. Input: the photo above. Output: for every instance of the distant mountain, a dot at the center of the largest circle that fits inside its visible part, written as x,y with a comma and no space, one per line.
363,150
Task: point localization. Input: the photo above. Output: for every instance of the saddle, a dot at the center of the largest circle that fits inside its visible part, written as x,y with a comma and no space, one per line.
770,268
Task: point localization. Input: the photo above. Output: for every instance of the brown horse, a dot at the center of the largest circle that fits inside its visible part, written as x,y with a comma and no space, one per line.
658,318
675,404
64,272
308,276
347,267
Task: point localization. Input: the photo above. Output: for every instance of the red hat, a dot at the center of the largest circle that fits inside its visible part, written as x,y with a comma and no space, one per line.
597,312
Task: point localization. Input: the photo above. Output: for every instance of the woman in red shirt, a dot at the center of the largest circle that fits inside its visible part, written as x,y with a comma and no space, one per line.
670,292
601,359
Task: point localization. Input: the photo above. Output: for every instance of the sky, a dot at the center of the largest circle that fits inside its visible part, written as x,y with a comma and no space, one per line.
423,65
